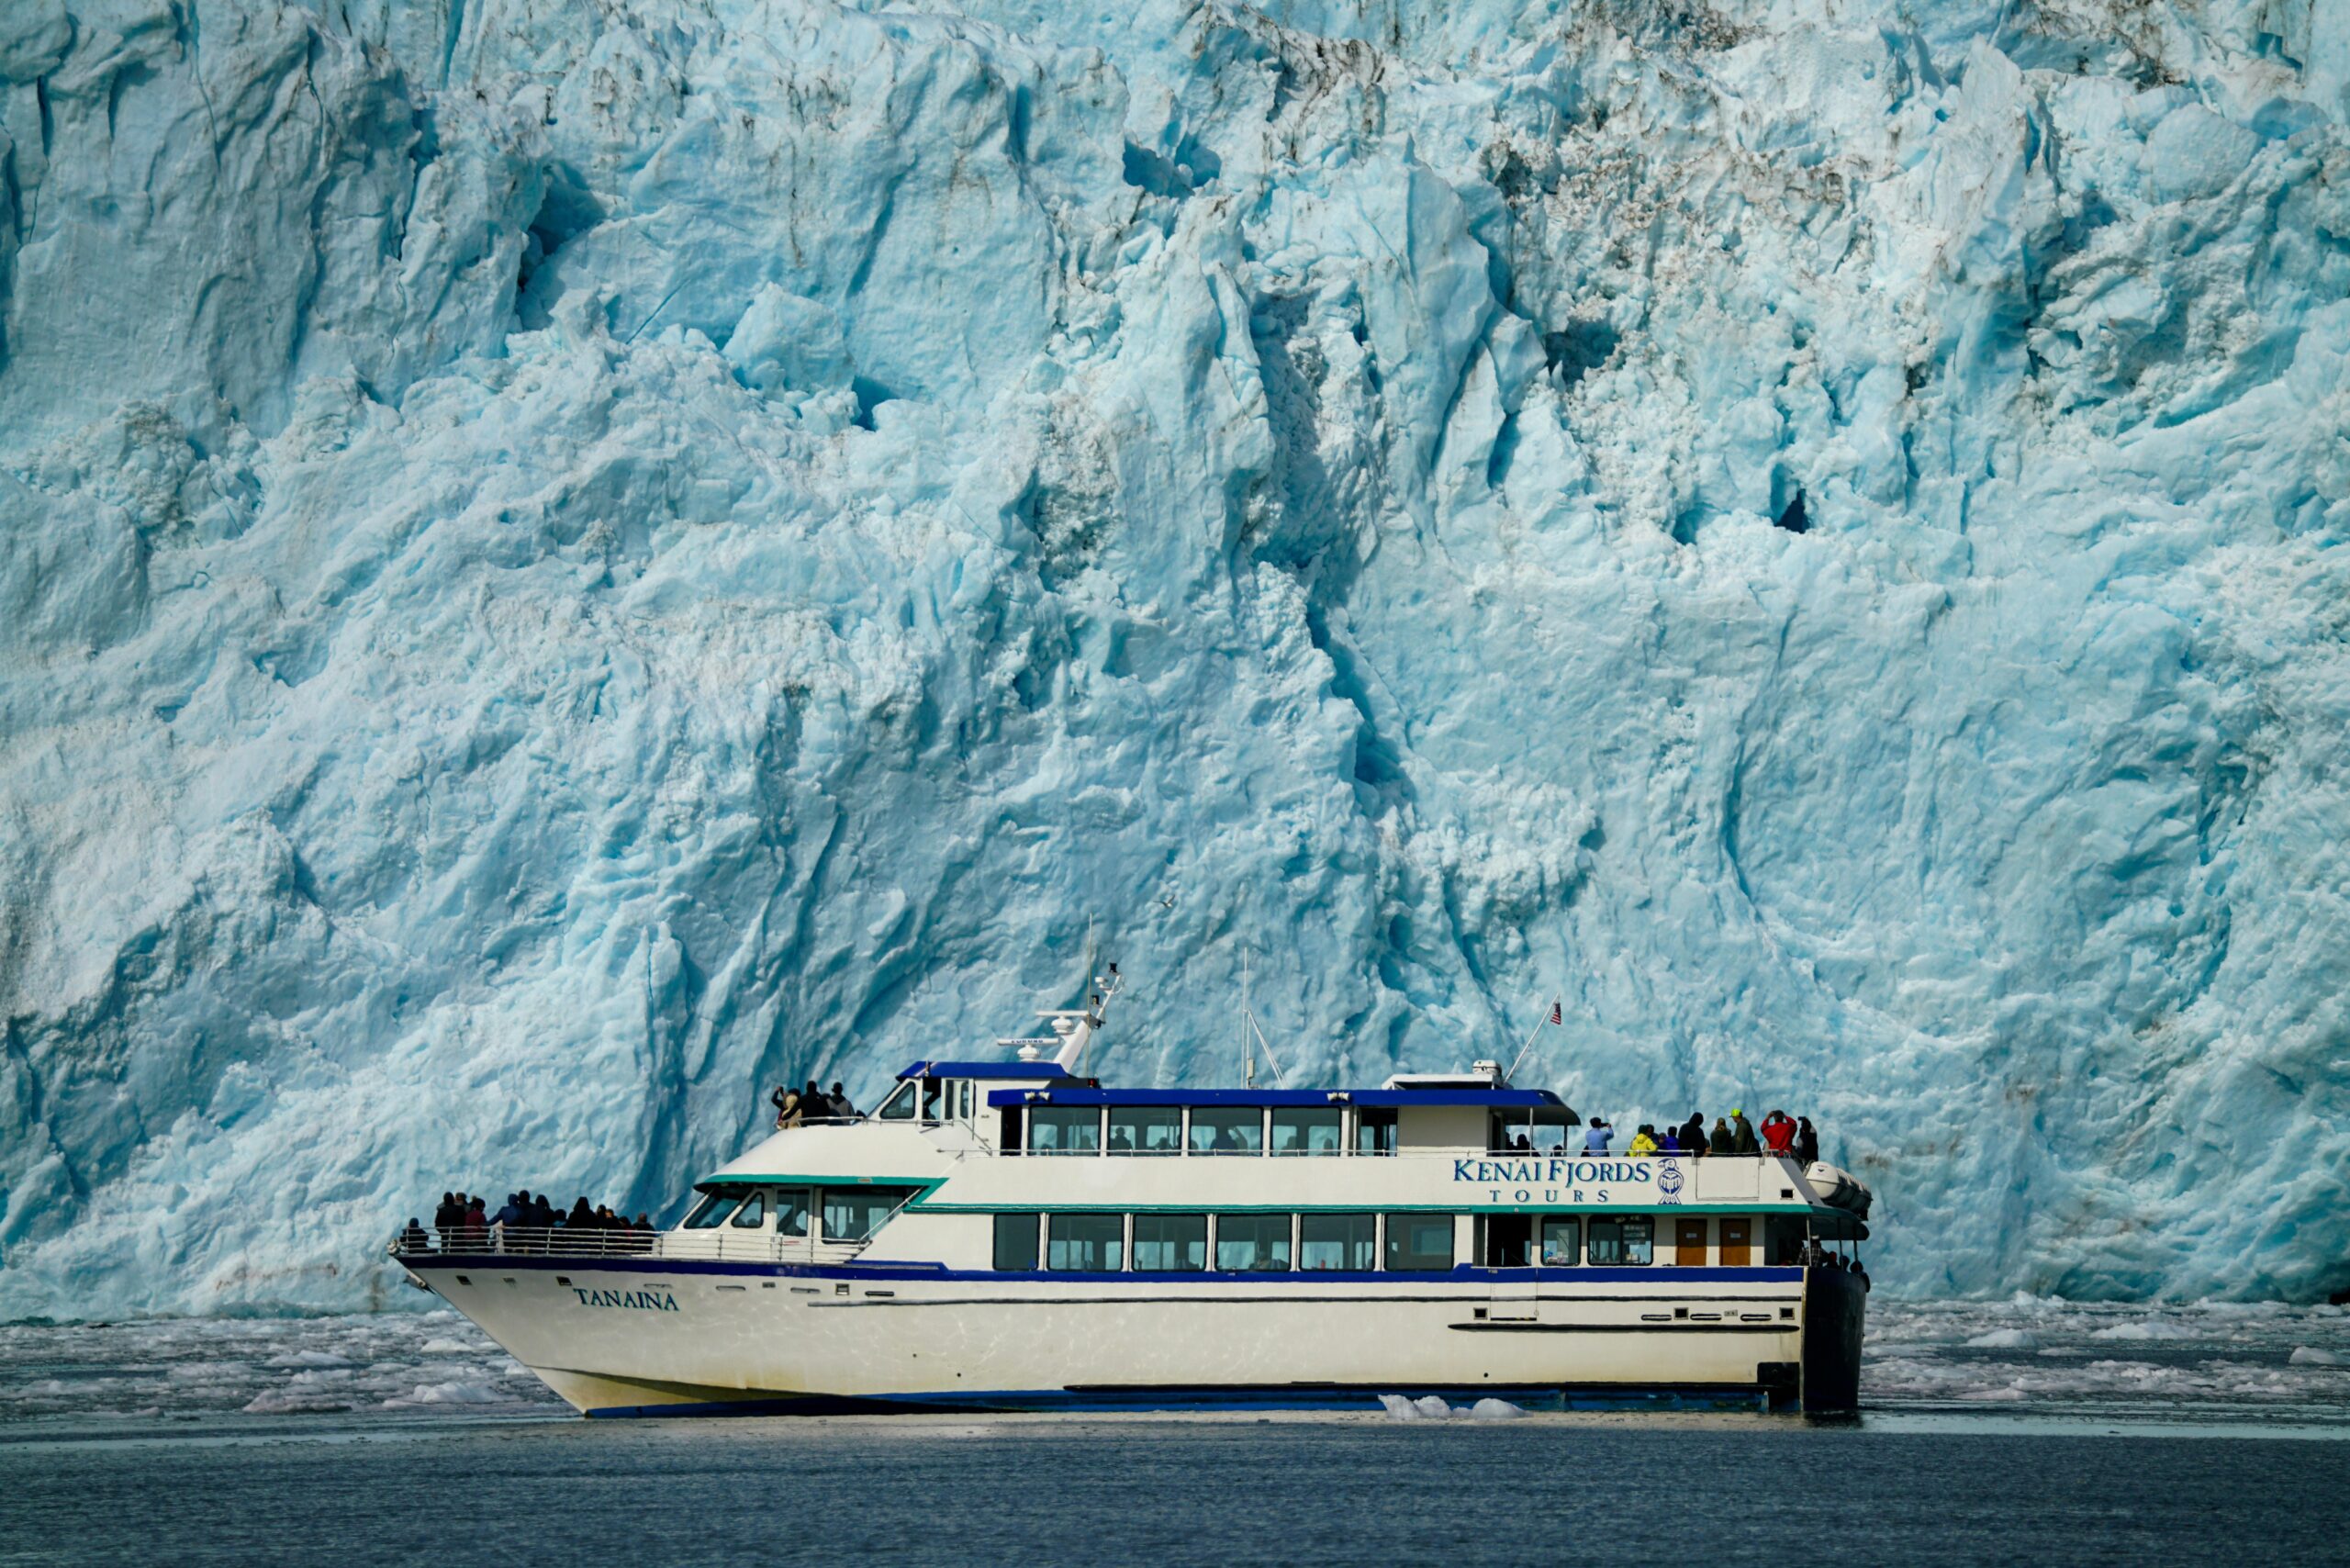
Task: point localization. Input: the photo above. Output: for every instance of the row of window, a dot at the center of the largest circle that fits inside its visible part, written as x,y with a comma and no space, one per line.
846,1214
1261,1243
1204,1129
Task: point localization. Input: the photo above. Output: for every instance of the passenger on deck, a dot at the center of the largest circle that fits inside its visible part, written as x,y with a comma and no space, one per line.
1806,1141
1778,1132
812,1103
581,1216
1742,1135
1724,1141
412,1238
447,1217
1693,1133
1643,1141
1596,1136
512,1213
1668,1142
1519,1145
787,1109
841,1106
1861,1274
476,1224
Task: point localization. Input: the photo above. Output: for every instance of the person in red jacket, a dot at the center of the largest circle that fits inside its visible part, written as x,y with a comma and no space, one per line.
1778,1132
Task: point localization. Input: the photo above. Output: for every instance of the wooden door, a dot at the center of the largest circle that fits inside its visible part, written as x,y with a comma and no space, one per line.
1736,1235
1689,1243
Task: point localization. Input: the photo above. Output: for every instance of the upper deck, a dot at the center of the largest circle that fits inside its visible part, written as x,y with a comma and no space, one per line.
986,1138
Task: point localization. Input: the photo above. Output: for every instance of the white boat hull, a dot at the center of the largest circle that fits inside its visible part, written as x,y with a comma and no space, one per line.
645,1337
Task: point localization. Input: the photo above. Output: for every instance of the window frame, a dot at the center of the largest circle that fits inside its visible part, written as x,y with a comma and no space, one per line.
1009,1222
756,1198
906,1092
1198,1268
1389,1249
1347,1264
1114,1225
1173,1120
1283,1233
706,1216
1066,1117
1332,1116
1192,1122
825,1196
1542,1241
809,1213
1623,1226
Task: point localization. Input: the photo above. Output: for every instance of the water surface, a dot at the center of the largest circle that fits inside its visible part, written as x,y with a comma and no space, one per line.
2025,1431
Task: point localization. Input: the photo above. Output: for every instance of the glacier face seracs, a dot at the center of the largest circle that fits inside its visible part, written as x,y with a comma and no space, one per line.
562,562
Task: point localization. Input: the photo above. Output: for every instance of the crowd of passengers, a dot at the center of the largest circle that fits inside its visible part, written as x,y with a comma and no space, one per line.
464,1223
794,1106
1781,1134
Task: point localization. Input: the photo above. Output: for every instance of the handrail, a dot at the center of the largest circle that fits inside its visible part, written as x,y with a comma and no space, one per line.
723,1243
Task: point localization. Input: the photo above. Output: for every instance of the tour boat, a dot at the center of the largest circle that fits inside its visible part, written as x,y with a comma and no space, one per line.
1009,1235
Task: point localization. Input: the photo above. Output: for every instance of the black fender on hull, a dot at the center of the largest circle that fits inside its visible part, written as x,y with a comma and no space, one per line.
1833,1311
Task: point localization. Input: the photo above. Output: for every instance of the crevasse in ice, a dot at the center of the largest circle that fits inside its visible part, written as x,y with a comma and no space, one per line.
560,564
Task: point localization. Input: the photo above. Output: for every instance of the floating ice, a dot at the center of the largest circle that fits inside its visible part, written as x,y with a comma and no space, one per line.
2148,1329
2005,1340
561,564
2308,1356
449,1392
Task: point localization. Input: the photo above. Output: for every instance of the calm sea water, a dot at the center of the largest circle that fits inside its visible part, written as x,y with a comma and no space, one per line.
2025,1432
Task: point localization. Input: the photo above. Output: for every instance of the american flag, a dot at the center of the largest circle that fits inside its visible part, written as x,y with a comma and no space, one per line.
1557,1012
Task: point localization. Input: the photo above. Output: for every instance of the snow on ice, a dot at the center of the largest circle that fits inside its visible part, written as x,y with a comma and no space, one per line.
561,564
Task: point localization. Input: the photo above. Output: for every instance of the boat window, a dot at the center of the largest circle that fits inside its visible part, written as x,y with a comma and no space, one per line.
931,1089
899,1106
1374,1132
1506,1241
1338,1241
966,1100
854,1214
1312,1130
1064,1129
1622,1241
1252,1243
711,1211
792,1210
1015,1243
753,1214
1418,1242
1561,1242
1228,1129
1093,1244
1146,1129
1170,1243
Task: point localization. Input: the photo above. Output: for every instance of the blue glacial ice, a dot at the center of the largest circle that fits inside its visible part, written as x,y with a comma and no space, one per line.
561,564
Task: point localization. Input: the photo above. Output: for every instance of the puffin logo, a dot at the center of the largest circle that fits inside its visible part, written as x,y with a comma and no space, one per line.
1668,1182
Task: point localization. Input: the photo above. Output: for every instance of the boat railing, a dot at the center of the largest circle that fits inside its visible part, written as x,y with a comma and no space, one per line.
722,1244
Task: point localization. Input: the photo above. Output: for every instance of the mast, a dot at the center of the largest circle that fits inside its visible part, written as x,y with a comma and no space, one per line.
1076,1027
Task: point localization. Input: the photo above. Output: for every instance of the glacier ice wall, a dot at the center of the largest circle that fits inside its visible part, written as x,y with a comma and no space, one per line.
561,563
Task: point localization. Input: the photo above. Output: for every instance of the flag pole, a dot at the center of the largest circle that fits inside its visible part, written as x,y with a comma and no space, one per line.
1552,1016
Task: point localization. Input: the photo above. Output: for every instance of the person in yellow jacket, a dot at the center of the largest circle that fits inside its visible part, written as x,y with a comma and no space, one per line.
1643,1141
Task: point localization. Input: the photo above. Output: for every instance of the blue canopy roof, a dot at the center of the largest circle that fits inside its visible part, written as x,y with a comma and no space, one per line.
1025,1071
1377,1099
